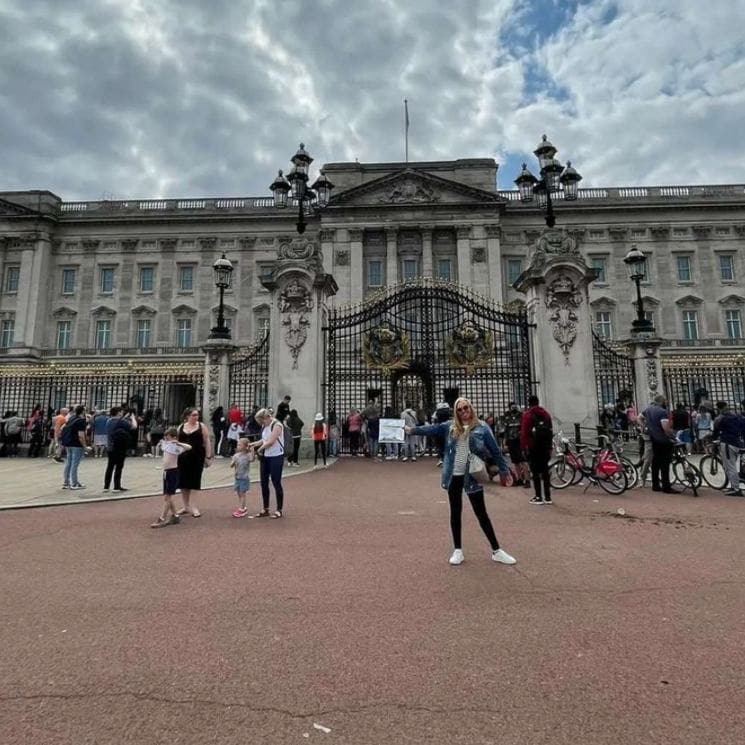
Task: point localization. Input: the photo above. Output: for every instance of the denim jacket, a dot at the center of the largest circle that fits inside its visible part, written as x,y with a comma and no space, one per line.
481,443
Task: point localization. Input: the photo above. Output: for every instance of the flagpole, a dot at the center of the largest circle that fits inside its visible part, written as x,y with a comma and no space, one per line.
406,129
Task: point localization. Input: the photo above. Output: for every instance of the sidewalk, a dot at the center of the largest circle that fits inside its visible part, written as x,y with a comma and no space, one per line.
37,482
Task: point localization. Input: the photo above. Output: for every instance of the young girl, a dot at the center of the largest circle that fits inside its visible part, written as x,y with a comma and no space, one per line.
171,448
320,435
241,462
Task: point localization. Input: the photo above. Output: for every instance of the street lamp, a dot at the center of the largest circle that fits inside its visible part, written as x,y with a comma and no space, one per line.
555,179
296,183
635,262
223,271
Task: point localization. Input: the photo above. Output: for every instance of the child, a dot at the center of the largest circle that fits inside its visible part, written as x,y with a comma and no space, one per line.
171,448
241,461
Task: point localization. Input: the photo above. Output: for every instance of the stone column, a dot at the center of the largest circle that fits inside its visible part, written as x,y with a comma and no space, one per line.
300,288
357,277
391,256
427,268
463,247
217,357
556,286
326,237
645,352
494,253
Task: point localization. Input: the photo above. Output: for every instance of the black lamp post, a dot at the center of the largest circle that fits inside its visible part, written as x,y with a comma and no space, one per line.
317,195
555,179
635,264
223,270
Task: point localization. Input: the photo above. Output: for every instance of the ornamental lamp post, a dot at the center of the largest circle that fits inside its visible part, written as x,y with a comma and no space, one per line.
296,184
555,180
223,271
635,262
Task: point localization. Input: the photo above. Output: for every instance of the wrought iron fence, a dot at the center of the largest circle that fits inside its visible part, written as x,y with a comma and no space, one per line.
694,380
614,373
249,376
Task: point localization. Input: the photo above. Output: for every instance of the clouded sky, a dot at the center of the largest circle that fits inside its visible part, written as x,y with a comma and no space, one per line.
185,98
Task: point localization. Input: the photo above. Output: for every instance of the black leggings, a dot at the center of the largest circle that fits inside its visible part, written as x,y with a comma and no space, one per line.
319,446
539,470
295,449
455,495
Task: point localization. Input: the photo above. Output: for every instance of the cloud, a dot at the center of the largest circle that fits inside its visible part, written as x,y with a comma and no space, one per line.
151,98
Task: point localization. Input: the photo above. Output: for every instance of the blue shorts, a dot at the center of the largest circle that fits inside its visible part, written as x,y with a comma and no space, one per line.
170,481
242,485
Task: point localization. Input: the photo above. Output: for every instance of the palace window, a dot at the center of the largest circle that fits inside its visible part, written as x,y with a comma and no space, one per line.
645,270
103,334
733,322
690,325
183,332
445,270
106,285
603,324
727,267
12,279
147,278
683,265
143,333
600,265
186,278
375,273
68,281
64,334
7,333
514,270
409,270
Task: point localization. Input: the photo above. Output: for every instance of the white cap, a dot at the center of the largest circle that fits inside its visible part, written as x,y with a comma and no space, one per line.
318,417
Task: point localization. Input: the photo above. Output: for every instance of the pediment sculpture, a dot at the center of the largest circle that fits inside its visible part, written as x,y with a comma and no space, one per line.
409,191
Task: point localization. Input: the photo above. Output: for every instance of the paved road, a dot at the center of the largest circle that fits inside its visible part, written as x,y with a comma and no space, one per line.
345,614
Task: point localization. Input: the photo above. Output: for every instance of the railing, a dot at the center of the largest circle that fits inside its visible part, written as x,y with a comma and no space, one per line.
646,192
160,205
708,342
120,352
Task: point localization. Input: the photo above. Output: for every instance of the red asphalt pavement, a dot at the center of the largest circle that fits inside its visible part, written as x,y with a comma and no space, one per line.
346,614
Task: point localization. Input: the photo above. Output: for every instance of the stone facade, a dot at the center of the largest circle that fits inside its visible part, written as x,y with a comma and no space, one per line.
126,278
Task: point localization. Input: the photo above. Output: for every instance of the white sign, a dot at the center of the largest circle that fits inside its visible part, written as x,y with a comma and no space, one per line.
391,430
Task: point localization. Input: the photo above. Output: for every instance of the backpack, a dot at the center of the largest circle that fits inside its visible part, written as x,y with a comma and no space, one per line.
12,426
542,432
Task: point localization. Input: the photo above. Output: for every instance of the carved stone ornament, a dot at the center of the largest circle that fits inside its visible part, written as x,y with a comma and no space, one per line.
563,298
326,235
295,303
410,191
652,381
213,372
493,231
739,229
470,347
167,244
301,252
341,258
618,234
553,241
246,243
130,244
386,348
701,231
660,232
91,245
478,255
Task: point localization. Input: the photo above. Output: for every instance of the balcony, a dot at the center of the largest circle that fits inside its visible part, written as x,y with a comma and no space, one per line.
123,352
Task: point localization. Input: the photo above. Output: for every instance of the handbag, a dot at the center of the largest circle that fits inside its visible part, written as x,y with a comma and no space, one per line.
477,469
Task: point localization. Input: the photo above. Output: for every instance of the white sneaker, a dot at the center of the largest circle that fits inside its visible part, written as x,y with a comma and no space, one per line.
457,557
413,460
503,557
403,460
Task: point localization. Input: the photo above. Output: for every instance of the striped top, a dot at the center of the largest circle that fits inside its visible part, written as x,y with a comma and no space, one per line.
460,465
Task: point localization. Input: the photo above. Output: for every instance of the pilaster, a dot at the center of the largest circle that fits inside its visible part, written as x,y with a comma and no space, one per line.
494,254
427,269
216,391
391,256
463,248
356,278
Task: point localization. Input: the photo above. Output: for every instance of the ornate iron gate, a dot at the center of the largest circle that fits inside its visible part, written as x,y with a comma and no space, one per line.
423,342
690,380
249,376
614,373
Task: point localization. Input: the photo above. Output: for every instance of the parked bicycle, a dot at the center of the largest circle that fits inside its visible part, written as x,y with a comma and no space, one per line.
685,473
571,467
712,468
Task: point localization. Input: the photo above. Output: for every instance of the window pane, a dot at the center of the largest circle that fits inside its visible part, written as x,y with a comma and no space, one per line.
727,268
374,273
599,265
445,270
186,278
644,270
734,324
103,334
68,281
143,333
514,270
107,280
603,326
12,276
7,333
684,268
147,274
183,332
409,269
64,334
690,324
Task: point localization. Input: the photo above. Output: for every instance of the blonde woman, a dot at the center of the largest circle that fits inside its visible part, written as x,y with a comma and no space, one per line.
464,436
272,449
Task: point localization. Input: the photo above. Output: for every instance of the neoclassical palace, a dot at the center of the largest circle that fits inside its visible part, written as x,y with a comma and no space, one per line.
121,295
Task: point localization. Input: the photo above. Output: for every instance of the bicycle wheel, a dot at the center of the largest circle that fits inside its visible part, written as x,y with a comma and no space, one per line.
615,484
561,474
632,475
687,475
712,471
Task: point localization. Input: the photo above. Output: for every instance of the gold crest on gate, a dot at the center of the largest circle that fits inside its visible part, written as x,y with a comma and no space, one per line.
386,348
470,347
